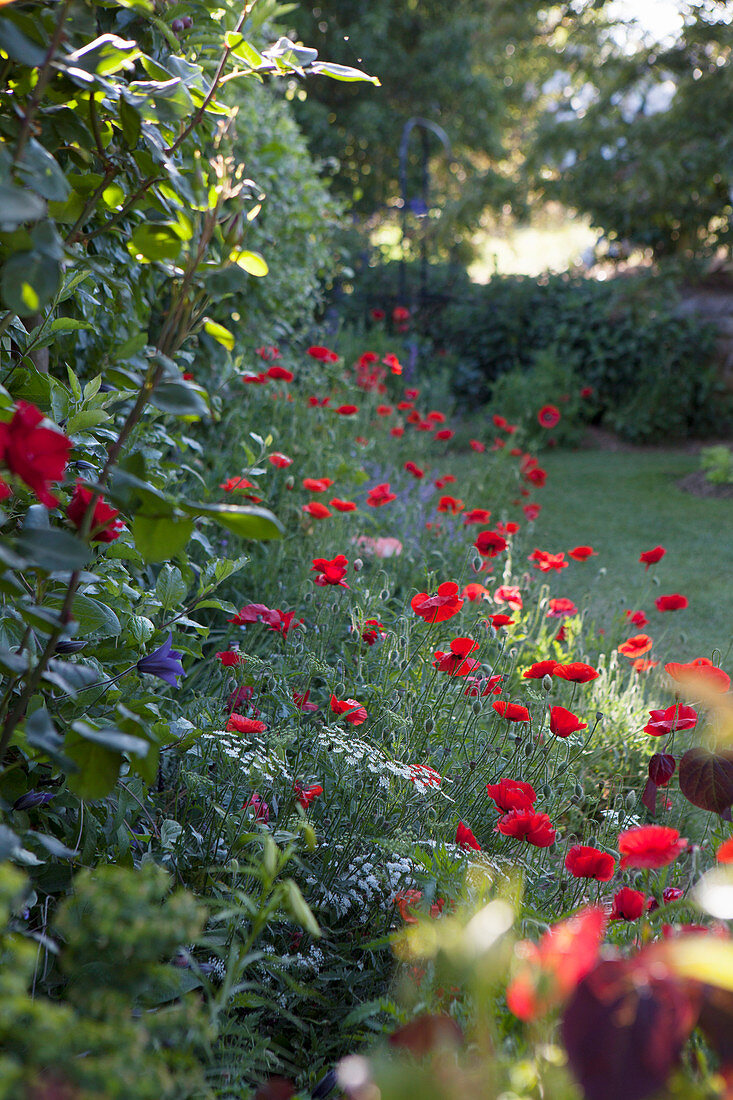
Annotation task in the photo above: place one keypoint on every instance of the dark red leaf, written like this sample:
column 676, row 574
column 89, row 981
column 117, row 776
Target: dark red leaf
column 649, row 797
column 662, row 767
column 706, row 779
column 275, row 1088
column 427, row 1032
column 624, row 1029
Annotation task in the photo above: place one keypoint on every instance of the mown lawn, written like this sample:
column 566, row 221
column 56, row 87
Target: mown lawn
column 625, row 502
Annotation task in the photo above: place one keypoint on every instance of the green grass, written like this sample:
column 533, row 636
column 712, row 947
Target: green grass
column 622, row 503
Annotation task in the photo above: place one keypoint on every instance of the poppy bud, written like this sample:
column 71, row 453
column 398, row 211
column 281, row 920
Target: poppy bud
column 547, row 683
column 631, row 800
column 528, row 748
column 662, row 767
column 340, row 689
column 289, row 482
column 358, row 565
column 476, row 708
column 579, row 792
column 429, row 725
column 546, row 790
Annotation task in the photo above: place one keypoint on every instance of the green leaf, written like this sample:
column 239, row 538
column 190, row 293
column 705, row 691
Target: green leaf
column 160, row 538
column 41, row 733
column 180, row 399
column 69, row 324
column 30, row 280
column 219, row 333
column 247, row 522
column 53, row 846
column 9, row 843
column 251, row 262
column 298, row 908
column 20, row 48
column 106, row 55
column 53, row 551
column 170, row 587
column 112, row 738
column 98, row 767
column 152, row 242
column 95, row 619
column 341, row 72
column 42, row 174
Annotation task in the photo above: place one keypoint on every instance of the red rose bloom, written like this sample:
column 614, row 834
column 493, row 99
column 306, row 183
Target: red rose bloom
column 651, row 557
column 280, row 460
column 436, row 609
column 628, row 904
column 582, row 861
column 511, row 794
column 577, row 672
column 331, row 572
column 239, row 724
column 36, row 455
column 105, row 526
column 636, row 646
column 527, row 825
column 662, row 722
column 317, row 510
column 343, row 505
column 548, row 416
column 379, row 495
column 674, row 602
column 317, row 484
column 457, row 663
column 563, row 722
column 650, row 846
column 414, row 470
column 465, row 838
column 582, row 553
column 490, row 543
column 352, row 710
column 512, row 712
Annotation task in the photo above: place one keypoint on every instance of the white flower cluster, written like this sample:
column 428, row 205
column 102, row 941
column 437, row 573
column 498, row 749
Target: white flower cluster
column 369, row 880
column 255, row 757
column 364, row 756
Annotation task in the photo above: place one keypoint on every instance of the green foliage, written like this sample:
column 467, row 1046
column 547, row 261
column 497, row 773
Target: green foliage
column 717, row 462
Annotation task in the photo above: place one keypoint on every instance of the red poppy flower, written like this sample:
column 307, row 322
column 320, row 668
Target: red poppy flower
column 499, row 421
column 377, row 314
column 301, row 702
column 268, row 353
column 347, row 410
column 445, row 433
column 548, row 416
column 724, row 853
column 512, row 712
column 384, row 410
column 239, row 724
column 36, row 455
column 324, row 355
column 582, row 553
column 560, row 607
column 478, row 686
column 423, row 775
column 373, row 630
column 280, row 374
column 531, row 511
column 583, row 861
column 477, row 515
column 436, row 609
column 507, row 529
column 509, row 594
column 536, row 475
column 254, row 379
column 283, row 622
column 353, row 711
column 446, row 479
column 450, row 504
column 527, row 825
column 674, row 602
column 539, row 670
column 511, row 794
column 700, row 672
column 662, row 722
column 393, row 363
column 318, row 402
column 331, row 572
column 456, row 662
column 343, row 505
column 436, row 417
column 650, row 846
column 628, row 904
column 397, row 431
column 317, row 484
column 547, row 562
column 636, row 646
column 379, row 495
column 500, row 620
column 414, row 470
column 406, row 901
column 643, row 665
column 577, row 672
column 105, row 526
column 280, row 460
column 550, row 970
column 229, row 658
column 563, row 722
column 638, row 618
column 475, row 592
column 317, row 510
column 465, row 838
column 306, row 795
column 490, row 543
column 477, row 445
column 238, row 485
column 651, row 557
column 586, row 391
column 400, row 314
column 260, row 807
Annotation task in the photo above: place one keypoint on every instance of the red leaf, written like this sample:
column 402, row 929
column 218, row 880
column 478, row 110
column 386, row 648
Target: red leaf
column 706, row 779
column 649, row 797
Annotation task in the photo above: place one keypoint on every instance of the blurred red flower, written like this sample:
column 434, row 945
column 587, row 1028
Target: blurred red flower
column 373, row 631
column 280, row 460
column 453, row 505
column 637, row 618
column 105, row 526
column 582, row 553
column 547, row 562
column 636, row 646
column 465, row 838
column 239, row 724
column 477, row 515
column 445, row 433
column 700, row 672
column 477, row 445
column 509, row 594
column 629, row 904
column 317, row 510
column 561, row 606
column 384, row 410
column 651, row 557
column 650, row 846
column 325, row 355
column 416, row 471
column 674, row 602
column 490, row 543
column 548, row 416
column 317, row 484
column 475, row 592
column 280, row 374
column 347, row 410
column 583, row 861
column 397, row 431
column 531, row 511
column 379, row 495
